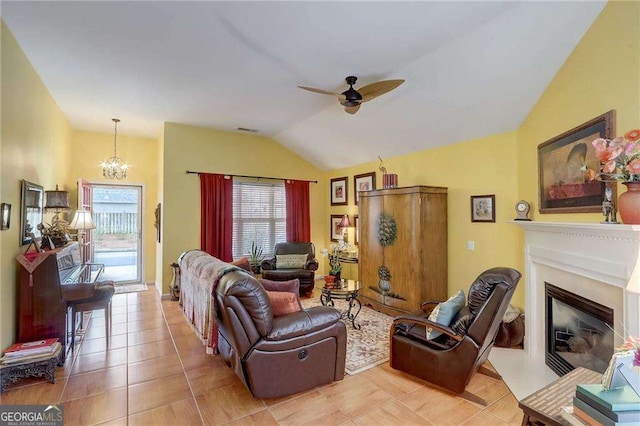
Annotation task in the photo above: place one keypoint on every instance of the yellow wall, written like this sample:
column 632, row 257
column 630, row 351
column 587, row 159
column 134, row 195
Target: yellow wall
column 200, row 149
column 89, row 149
column 477, row 167
column 160, row 183
column 602, row 73
column 35, row 146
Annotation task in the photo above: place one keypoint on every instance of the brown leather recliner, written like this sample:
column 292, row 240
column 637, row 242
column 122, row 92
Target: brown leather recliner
column 450, row 360
column 276, row 356
column 306, row 275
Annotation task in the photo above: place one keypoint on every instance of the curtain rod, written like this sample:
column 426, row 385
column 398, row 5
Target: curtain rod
column 189, row 172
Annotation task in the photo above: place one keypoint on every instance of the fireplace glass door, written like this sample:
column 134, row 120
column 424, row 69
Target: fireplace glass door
column 577, row 332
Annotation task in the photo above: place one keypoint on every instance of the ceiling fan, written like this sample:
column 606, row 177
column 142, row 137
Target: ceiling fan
column 351, row 99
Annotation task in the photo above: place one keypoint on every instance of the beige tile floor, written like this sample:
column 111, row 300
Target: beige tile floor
column 155, row 372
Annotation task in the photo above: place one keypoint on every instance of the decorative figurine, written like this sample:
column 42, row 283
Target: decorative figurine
column 608, row 207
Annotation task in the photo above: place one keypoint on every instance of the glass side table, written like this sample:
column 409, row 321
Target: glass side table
column 347, row 290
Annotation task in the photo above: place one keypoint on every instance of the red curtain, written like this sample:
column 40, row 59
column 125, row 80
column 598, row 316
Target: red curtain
column 298, row 219
column 216, row 215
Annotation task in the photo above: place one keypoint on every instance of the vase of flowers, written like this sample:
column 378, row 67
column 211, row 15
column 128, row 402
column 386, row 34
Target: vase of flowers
column 620, row 159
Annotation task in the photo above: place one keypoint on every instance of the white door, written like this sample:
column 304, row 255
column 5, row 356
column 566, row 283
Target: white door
column 117, row 239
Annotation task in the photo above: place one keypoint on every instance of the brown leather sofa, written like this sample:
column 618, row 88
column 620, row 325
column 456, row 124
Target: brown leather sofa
column 276, row 356
column 450, row 360
column 306, row 275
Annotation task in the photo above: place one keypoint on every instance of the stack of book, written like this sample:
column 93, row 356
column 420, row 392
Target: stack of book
column 594, row 406
column 31, row 351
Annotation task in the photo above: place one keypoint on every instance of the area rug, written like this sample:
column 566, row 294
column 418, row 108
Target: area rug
column 130, row 288
column 368, row 346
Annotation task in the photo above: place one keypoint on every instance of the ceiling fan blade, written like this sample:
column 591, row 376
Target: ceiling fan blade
column 352, row 110
column 372, row 91
column 340, row 96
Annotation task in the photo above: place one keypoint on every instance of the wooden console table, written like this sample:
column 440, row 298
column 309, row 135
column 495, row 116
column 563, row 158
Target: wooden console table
column 544, row 406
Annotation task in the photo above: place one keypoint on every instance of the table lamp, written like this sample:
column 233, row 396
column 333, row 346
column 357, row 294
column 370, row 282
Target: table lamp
column 81, row 222
column 343, row 225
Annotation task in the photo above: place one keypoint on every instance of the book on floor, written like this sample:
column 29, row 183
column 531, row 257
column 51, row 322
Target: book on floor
column 31, row 346
column 32, row 357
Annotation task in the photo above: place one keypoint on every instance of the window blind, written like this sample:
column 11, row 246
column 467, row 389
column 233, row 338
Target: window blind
column 259, row 214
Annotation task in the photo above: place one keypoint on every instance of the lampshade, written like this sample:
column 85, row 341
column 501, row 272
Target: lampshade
column 345, row 223
column 82, row 221
column 56, row 201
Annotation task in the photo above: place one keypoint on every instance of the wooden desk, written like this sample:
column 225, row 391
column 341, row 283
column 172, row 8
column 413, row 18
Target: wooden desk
column 543, row 407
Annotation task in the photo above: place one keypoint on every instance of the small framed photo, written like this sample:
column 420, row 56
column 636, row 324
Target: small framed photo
column 364, row 182
column 339, row 191
column 5, row 213
column 483, row 208
column 336, row 231
column 356, row 223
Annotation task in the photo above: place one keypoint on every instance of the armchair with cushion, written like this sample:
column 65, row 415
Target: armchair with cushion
column 291, row 261
column 461, row 347
column 273, row 355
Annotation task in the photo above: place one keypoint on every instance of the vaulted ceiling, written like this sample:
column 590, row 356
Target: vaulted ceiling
column 472, row 69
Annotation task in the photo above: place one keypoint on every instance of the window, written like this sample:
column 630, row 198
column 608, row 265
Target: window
column 259, row 214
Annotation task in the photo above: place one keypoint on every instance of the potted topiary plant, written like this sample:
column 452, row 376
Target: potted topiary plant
column 336, row 270
column 255, row 257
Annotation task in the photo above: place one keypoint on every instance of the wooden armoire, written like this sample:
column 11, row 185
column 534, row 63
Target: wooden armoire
column 403, row 234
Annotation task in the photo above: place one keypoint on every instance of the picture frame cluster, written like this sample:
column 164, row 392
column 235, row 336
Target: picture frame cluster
column 339, row 196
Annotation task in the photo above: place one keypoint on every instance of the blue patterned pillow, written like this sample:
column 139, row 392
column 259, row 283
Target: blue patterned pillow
column 444, row 313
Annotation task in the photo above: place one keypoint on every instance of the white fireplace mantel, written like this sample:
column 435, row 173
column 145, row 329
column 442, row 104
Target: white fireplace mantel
column 598, row 261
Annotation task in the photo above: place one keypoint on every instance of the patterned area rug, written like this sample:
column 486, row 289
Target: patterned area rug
column 131, row 288
column 368, row 346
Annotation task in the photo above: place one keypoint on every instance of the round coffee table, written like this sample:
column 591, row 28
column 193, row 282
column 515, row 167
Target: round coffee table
column 349, row 290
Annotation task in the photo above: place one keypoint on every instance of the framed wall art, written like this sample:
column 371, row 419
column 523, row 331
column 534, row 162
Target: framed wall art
column 364, row 182
column 157, row 223
column 336, row 230
column 483, row 208
column 338, row 189
column 5, row 214
column 567, row 166
column 356, row 223
column 32, row 212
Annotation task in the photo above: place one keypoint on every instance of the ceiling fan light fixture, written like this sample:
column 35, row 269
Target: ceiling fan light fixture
column 351, row 99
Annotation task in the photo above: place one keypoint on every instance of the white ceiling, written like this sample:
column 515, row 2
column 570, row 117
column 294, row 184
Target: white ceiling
column 472, row 69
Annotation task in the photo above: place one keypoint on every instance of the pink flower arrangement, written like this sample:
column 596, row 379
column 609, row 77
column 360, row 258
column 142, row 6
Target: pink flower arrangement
column 620, row 157
column 632, row 343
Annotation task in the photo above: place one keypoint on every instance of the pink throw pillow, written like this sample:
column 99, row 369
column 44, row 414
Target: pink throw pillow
column 283, row 303
column 292, row 286
column 242, row 263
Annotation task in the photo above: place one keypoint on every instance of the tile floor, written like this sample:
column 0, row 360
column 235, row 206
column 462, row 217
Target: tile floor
column 155, row 372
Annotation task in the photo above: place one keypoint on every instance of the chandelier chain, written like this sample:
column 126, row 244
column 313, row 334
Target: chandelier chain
column 114, row 167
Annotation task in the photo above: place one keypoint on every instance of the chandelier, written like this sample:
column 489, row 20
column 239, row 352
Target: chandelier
column 114, row 167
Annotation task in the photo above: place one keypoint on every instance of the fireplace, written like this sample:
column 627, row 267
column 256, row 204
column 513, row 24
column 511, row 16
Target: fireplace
column 577, row 330
column 600, row 262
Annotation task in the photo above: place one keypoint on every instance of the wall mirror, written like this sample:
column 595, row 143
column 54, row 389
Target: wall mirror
column 32, row 211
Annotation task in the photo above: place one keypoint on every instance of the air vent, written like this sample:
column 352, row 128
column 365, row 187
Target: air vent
column 244, row 129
